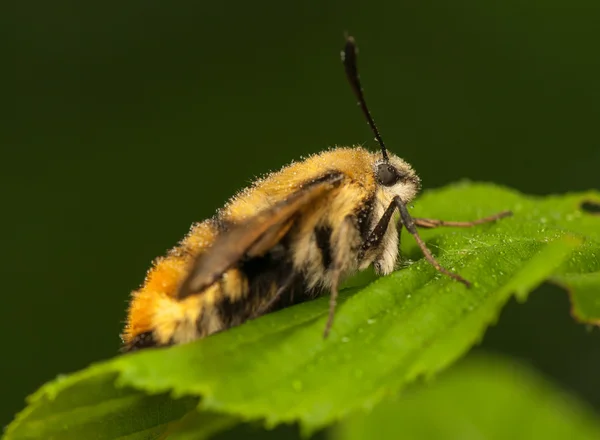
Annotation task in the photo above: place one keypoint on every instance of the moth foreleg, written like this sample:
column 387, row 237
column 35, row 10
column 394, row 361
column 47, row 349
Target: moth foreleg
column 376, row 236
column 433, row 223
column 408, row 221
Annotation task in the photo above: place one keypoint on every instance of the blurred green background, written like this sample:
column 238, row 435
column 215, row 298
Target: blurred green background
column 124, row 123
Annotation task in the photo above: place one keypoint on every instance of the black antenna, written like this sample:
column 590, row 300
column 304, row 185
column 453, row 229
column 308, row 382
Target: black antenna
column 349, row 60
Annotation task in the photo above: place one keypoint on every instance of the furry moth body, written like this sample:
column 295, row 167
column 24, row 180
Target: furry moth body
column 291, row 236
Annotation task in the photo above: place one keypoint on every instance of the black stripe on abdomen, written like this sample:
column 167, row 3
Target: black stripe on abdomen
column 323, row 240
column 364, row 216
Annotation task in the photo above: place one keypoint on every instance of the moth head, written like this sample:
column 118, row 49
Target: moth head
column 395, row 177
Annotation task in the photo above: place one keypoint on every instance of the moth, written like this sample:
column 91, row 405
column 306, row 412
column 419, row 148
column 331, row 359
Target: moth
column 289, row 237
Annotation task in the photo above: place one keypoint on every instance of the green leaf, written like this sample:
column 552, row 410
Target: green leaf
column 412, row 323
column 487, row 398
column 87, row 405
column 200, row 425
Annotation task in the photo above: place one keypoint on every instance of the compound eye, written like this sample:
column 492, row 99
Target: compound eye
column 387, row 175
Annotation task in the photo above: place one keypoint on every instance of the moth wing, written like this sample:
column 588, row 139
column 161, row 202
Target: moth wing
column 254, row 236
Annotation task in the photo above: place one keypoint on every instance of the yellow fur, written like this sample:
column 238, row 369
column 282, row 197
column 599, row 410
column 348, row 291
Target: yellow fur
column 353, row 162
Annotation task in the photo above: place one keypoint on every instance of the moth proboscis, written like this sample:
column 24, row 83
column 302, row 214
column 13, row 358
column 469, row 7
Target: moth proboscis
column 287, row 238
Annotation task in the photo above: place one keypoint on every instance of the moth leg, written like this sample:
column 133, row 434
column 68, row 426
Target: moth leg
column 376, row 235
column 340, row 258
column 399, row 229
column 433, row 223
column 408, row 221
